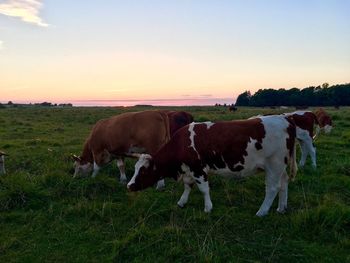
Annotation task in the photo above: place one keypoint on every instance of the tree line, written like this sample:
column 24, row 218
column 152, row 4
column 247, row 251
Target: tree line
column 324, row 95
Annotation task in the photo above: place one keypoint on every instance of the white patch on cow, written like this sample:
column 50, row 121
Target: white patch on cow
column 186, row 169
column 209, row 124
column 82, row 169
column 206, row 169
column 327, row 129
column 160, row 185
column 192, row 134
column 143, row 161
column 96, row 170
column 275, row 150
column 306, row 146
column 203, row 186
column 184, row 197
column 121, row 166
column 296, row 113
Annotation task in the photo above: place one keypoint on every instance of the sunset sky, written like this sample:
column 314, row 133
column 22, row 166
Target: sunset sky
column 168, row 52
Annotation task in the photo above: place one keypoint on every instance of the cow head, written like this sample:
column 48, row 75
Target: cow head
column 327, row 124
column 81, row 167
column 144, row 175
column 324, row 120
column 2, row 162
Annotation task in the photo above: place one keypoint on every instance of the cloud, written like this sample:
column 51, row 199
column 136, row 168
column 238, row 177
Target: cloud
column 26, row 10
column 1, row 45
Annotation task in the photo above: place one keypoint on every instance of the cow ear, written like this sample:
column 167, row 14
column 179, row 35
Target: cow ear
column 75, row 158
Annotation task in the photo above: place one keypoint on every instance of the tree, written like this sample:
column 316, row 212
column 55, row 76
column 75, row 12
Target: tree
column 243, row 99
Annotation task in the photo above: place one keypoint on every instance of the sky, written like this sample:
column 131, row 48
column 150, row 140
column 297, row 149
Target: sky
column 174, row 52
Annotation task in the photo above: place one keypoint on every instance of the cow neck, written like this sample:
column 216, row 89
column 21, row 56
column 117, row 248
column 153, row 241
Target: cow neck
column 165, row 161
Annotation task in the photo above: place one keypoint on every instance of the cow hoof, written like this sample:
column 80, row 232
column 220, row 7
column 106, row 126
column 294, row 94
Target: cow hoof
column 181, row 205
column 281, row 211
column 261, row 213
column 160, row 185
column 123, row 181
column 207, row 209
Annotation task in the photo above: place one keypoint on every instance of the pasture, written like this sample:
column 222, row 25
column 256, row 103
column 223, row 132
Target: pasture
column 48, row 216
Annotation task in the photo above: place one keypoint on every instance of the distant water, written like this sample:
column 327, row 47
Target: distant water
column 186, row 101
column 156, row 102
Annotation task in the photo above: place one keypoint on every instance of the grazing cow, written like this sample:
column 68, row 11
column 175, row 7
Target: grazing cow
column 2, row 162
column 305, row 121
column 324, row 121
column 230, row 148
column 122, row 135
column 232, row 108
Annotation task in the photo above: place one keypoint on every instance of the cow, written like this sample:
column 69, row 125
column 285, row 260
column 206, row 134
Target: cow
column 122, row 135
column 305, row 122
column 324, row 121
column 2, row 162
column 230, row 148
column 232, row 108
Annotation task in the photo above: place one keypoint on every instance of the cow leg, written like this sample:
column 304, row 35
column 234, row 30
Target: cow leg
column 160, row 184
column 121, row 166
column 283, row 194
column 188, row 184
column 96, row 170
column 203, row 186
column 304, row 153
column 272, row 187
column 312, row 151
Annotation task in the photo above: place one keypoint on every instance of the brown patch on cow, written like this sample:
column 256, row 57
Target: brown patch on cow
column 218, row 152
column 305, row 121
column 258, row 146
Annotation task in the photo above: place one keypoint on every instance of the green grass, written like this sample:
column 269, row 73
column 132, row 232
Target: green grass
column 47, row 216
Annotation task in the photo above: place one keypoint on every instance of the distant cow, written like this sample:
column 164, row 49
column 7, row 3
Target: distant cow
column 2, row 162
column 122, row 135
column 231, row 148
column 232, row 108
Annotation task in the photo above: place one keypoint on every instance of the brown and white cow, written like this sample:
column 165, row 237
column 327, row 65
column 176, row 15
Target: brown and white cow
column 125, row 134
column 2, row 162
column 231, row 148
column 305, row 122
column 324, row 121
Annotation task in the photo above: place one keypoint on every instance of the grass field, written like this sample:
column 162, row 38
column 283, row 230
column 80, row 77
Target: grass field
column 47, row 216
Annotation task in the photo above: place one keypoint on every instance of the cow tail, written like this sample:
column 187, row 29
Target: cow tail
column 293, row 167
column 318, row 128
